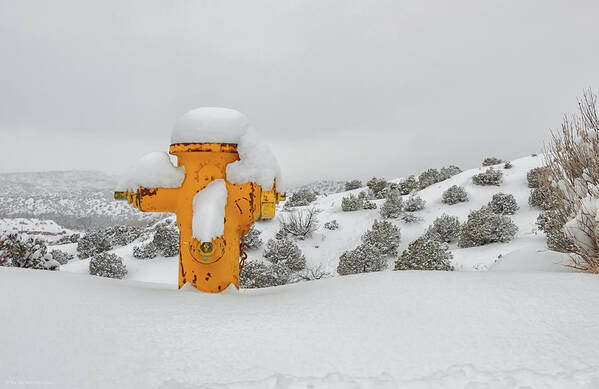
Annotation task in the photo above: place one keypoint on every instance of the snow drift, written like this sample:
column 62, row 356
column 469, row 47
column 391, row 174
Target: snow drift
column 209, row 211
column 153, row 170
column 406, row 329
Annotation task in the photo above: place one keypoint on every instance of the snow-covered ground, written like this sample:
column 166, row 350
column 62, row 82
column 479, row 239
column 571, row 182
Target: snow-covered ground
column 511, row 316
column 378, row 330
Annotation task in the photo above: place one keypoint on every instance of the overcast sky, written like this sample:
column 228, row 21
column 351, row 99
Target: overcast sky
column 340, row 89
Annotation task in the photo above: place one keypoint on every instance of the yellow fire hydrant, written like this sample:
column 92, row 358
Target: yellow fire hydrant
column 209, row 265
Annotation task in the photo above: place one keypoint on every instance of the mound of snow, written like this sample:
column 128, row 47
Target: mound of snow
column 537, row 330
column 209, row 211
column 210, row 125
column 153, row 170
column 532, row 258
column 256, row 164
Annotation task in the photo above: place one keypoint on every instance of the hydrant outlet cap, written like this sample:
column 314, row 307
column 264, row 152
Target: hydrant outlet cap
column 210, row 125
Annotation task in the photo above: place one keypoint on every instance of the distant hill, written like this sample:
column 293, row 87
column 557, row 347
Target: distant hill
column 78, row 200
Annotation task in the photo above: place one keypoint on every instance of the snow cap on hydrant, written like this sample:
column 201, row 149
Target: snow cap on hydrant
column 225, row 179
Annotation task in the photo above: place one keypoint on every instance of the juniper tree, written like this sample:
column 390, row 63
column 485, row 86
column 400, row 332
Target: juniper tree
column 145, row 251
column 61, row 257
column 428, row 178
column 539, row 198
column 532, row 177
column 445, row 229
column 489, row 161
column 252, row 238
column 353, row 184
column 503, row 204
column 423, row 254
column 377, row 186
column 549, row 222
column 393, row 205
column 363, row 259
column 107, row 265
column 454, row 194
column 301, row 198
column 93, row 243
column 384, row 236
column 351, row 203
column 166, row 240
column 488, row 177
column 414, row 203
column 483, row 227
column 448, row 172
column 285, row 252
column 407, row 186
column 261, row 275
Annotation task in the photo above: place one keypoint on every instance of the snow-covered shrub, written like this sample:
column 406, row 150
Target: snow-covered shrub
column 285, row 252
column 414, row 203
column 166, row 240
column 448, row 172
column 252, row 238
column 145, row 251
column 377, row 186
column 393, row 205
column 445, row 229
column 261, row 275
column 107, row 265
column 301, row 198
column 489, row 177
column 428, row 178
column 408, row 217
column 61, row 257
column 483, row 227
column 503, row 204
column 331, row 225
column 571, row 182
column 369, row 204
column 300, row 224
column 423, row 254
column 533, row 175
column 490, row 161
column 353, row 184
column 454, row 194
column 508, row 165
column 123, row 235
column 384, row 236
column 93, row 243
column 352, row 203
column 539, row 198
column 20, row 251
column 363, row 259
column 73, row 238
column 407, row 186
column 549, row 222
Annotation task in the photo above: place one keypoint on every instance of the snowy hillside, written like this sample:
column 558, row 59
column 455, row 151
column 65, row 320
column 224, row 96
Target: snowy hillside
column 434, row 330
column 35, row 228
column 324, row 247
